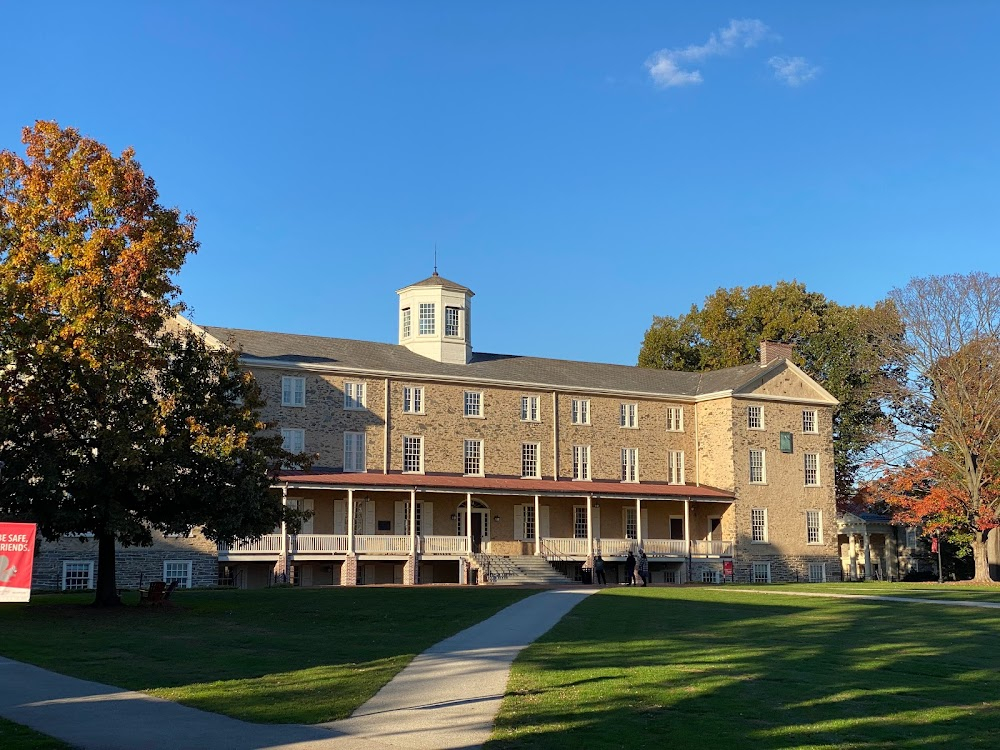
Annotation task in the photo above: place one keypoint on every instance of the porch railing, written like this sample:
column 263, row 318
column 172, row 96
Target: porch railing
column 617, row 547
column 334, row 543
column 444, row 545
column 382, row 544
column 267, row 544
column 712, row 548
column 556, row 546
column 665, row 547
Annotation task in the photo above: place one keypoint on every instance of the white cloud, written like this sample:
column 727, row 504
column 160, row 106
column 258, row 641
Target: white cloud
column 793, row 71
column 665, row 66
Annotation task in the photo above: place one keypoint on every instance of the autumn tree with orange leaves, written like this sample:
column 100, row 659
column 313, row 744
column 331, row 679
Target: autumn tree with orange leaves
column 113, row 422
column 949, row 407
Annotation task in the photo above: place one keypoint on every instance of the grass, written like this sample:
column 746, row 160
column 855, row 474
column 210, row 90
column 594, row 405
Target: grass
column 15, row 735
column 957, row 591
column 713, row 667
column 278, row 655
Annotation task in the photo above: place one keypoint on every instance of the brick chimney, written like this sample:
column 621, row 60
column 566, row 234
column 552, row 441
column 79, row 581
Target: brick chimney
column 772, row 350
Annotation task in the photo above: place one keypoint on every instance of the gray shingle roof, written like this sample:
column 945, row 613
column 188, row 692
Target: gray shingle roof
column 435, row 280
column 370, row 356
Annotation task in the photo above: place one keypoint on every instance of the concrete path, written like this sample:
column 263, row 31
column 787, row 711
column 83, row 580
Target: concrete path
column 447, row 698
column 878, row 598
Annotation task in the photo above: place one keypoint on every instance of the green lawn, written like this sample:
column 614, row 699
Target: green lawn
column 274, row 655
column 966, row 592
column 16, row 736
column 713, row 667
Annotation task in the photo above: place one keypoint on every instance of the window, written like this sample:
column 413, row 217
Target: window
column 710, row 576
column 758, row 473
column 473, row 404
column 426, row 319
column 814, row 528
column 354, row 451
column 630, row 464
column 413, row 400
column 177, row 570
column 407, row 330
column 911, row 537
column 762, row 572
column 629, row 415
column 755, row 417
column 529, row 461
column 77, row 575
column 528, row 521
column 817, row 572
column 631, row 525
column 809, row 421
column 675, row 467
column 406, row 518
column 354, row 395
column 579, row 522
column 293, row 440
column 581, row 411
column 474, row 458
column 529, row 409
column 451, row 321
column 675, row 419
column 676, row 527
column 758, row 524
column 812, row 469
column 581, row 462
column 413, row 454
column 293, row 391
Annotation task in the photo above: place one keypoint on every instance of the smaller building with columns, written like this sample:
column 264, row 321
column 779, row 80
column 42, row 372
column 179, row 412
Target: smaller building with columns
column 873, row 548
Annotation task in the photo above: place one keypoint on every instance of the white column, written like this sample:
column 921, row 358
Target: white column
column 350, row 522
column 468, row 521
column 868, row 556
column 687, row 521
column 852, row 557
column 638, row 521
column 590, row 524
column 413, row 522
column 284, row 526
column 538, row 527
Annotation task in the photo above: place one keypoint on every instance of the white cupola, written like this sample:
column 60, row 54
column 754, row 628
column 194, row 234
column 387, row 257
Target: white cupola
column 435, row 317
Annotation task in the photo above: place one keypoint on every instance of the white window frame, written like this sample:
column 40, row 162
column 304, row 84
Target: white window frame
column 355, row 459
column 407, row 323
column 581, row 463
column 760, row 572
column 709, row 575
column 472, row 454
column 911, row 537
column 758, row 525
column 531, row 409
column 579, row 521
column 630, row 465
column 79, row 566
column 426, row 318
column 418, row 441
column 815, row 568
column 755, row 417
column 527, row 460
column 354, row 395
column 629, row 416
column 630, row 522
column 448, row 310
column 580, row 413
column 472, row 404
column 675, row 467
column 814, row 526
column 184, row 582
column 675, row 419
column 762, row 467
column 293, row 391
column 810, row 421
column 293, row 439
column 811, row 473
column 413, row 399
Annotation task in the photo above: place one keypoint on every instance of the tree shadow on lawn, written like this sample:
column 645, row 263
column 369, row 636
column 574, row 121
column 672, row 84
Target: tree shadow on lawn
column 703, row 668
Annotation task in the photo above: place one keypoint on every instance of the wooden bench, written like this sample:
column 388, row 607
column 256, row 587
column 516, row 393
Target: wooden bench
column 157, row 593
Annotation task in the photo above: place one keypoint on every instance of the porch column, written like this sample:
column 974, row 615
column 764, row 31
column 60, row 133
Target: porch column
column 413, row 521
column 468, row 521
column 281, row 566
column 590, row 525
column 638, row 521
column 868, row 556
column 350, row 522
column 852, row 557
column 687, row 536
column 538, row 530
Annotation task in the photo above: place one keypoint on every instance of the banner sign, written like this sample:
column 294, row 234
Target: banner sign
column 727, row 567
column 17, row 552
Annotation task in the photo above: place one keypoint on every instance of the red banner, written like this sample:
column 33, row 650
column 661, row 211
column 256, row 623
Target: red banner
column 727, row 567
column 17, row 552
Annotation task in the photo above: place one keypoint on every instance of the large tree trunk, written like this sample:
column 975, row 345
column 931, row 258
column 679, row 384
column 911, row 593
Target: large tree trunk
column 107, row 588
column 979, row 551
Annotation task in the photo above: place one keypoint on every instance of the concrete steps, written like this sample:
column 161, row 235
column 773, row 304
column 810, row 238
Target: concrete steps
column 520, row 570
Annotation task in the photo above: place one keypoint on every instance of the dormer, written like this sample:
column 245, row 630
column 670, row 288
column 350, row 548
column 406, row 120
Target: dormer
column 435, row 320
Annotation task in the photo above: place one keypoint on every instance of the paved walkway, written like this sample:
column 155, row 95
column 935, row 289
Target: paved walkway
column 446, row 698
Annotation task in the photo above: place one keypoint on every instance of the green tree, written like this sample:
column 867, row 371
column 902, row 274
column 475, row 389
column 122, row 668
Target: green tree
column 841, row 347
column 114, row 420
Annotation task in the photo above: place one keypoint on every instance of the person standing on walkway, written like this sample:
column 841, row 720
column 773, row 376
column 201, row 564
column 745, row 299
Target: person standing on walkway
column 599, row 570
column 643, row 567
column 587, row 574
column 629, row 568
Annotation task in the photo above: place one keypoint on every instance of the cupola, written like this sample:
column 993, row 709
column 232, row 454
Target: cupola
column 435, row 318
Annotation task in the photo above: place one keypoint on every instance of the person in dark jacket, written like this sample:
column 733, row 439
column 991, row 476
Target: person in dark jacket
column 599, row 570
column 629, row 568
column 643, row 567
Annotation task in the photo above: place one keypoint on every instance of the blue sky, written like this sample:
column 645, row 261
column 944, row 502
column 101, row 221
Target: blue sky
column 582, row 166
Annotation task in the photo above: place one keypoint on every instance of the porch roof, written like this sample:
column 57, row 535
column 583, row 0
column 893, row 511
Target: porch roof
column 500, row 485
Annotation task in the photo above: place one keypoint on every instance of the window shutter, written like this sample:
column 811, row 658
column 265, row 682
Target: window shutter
column 399, row 526
column 427, row 519
column 340, row 516
column 519, row 523
column 595, row 521
column 645, row 524
column 369, row 516
column 543, row 525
